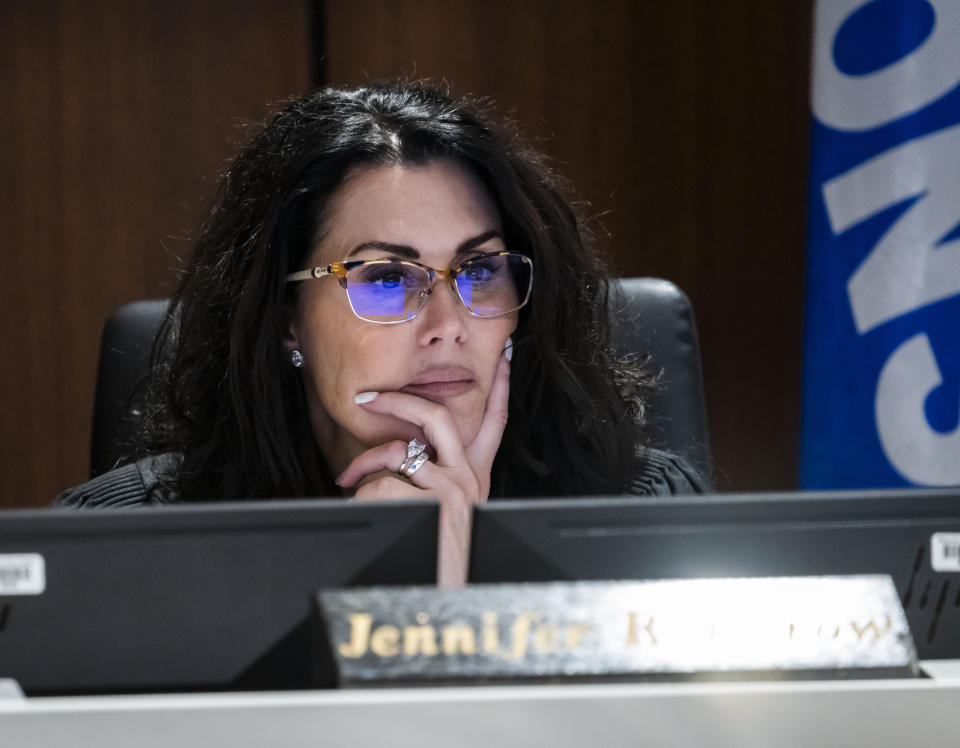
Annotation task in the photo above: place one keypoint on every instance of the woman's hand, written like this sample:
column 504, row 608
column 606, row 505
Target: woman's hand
column 459, row 476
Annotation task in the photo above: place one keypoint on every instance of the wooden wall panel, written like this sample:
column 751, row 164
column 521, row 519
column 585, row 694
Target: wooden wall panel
column 685, row 125
column 117, row 119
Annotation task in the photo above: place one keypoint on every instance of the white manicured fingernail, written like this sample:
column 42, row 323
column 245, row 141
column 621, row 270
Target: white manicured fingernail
column 365, row 397
column 508, row 350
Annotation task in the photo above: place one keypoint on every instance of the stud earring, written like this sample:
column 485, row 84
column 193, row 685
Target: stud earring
column 296, row 358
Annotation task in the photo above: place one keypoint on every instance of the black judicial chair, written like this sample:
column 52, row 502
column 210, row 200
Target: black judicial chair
column 125, row 347
column 651, row 318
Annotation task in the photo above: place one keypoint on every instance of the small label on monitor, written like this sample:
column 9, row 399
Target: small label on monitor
column 945, row 551
column 22, row 574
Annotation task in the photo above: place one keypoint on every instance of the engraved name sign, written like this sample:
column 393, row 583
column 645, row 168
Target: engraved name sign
column 830, row 626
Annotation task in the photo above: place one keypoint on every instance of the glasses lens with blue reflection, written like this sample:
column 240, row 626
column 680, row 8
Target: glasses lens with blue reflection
column 390, row 291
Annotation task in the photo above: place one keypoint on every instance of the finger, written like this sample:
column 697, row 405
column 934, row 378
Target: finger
column 383, row 457
column 428, row 477
column 448, row 485
column 375, row 476
column 375, row 464
column 485, row 444
column 388, row 488
column 435, row 420
column 429, row 481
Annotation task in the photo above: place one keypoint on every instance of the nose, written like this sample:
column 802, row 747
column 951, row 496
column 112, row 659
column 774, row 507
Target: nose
column 443, row 316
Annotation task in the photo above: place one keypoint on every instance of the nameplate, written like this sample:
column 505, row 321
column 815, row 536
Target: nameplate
column 791, row 627
column 10, row 689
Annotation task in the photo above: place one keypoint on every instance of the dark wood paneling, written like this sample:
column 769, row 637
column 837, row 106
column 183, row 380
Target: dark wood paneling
column 117, row 119
column 685, row 124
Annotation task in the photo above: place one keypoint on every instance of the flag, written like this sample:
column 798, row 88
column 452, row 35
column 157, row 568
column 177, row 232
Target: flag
column 881, row 381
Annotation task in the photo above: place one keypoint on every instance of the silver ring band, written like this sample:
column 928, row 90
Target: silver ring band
column 409, row 470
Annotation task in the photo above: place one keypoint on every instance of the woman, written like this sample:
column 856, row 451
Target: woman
column 385, row 274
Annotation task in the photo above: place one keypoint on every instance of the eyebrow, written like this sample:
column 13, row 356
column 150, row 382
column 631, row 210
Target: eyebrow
column 409, row 252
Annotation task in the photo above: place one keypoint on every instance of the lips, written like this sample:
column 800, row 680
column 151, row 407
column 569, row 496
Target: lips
column 440, row 382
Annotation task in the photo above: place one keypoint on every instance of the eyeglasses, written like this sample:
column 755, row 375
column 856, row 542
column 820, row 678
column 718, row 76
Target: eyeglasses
column 392, row 291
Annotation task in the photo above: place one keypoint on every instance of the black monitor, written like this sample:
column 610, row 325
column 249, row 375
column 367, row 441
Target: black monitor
column 785, row 534
column 191, row 597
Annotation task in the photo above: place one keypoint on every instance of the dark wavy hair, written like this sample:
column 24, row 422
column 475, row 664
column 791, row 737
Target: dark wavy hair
column 222, row 392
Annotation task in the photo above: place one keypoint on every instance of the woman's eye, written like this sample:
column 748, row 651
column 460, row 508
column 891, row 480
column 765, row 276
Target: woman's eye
column 387, row 276
column 480, row 271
